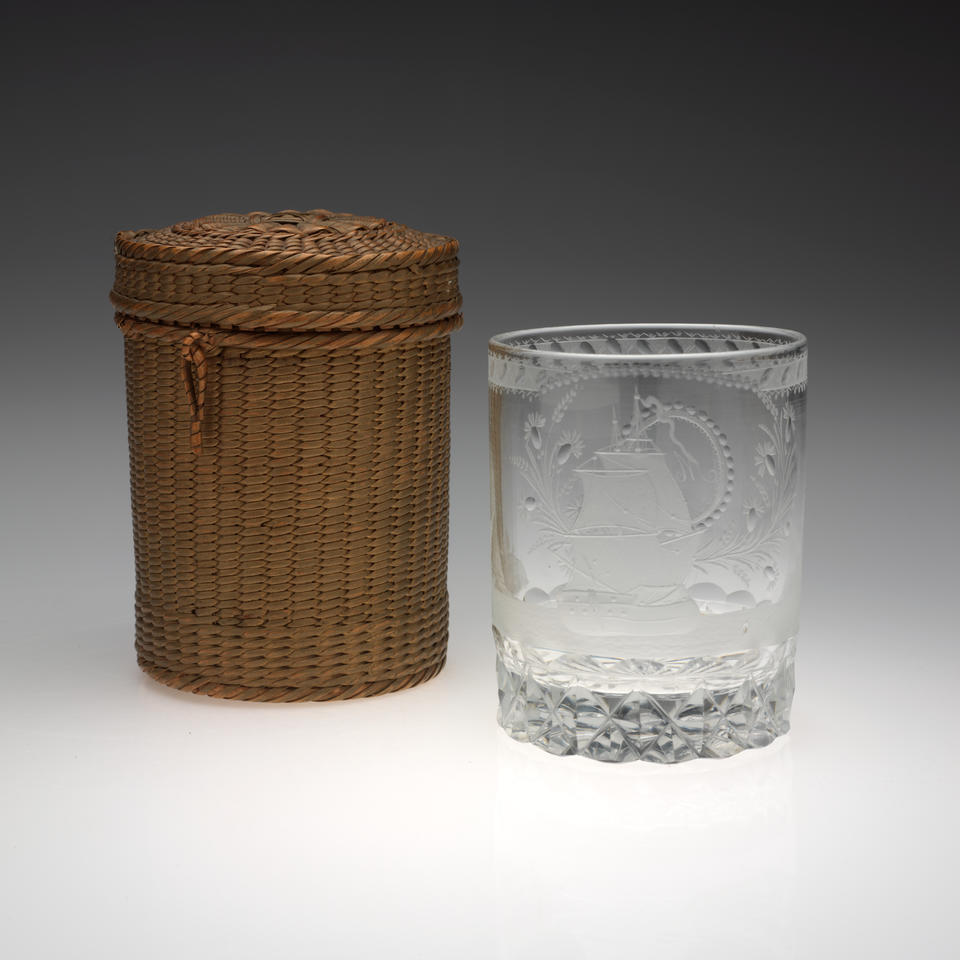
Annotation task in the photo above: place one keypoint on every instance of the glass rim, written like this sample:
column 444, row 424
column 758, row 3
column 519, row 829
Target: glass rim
column 792, row 341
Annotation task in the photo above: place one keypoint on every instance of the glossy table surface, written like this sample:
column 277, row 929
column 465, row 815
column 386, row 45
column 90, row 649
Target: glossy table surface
column 138, row 821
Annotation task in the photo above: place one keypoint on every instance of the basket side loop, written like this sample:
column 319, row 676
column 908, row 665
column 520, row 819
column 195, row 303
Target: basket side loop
column 193, row 359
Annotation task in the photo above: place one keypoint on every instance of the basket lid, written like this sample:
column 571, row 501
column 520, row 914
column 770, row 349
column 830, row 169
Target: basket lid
column 292, row 270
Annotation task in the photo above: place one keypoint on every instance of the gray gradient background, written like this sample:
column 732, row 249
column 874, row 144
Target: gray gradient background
column 753, row 165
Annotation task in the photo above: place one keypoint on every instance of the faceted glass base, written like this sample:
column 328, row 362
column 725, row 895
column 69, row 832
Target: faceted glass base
column 718, row 721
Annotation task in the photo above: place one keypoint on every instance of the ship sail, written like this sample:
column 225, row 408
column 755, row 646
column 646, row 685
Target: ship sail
column 633, row 535
column 632, row 500
column 625, row 501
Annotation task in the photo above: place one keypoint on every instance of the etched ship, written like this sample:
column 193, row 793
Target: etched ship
column 633, row 541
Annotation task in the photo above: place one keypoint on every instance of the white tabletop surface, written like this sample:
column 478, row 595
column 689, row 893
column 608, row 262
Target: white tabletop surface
column 143, row 822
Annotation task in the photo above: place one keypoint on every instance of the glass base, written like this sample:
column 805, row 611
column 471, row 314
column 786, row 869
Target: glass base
column 717, row 719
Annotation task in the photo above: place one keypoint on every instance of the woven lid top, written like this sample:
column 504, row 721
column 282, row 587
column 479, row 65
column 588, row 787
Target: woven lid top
column 291, row 270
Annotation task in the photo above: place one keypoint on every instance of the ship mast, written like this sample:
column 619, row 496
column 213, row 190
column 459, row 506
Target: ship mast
column 635, row 419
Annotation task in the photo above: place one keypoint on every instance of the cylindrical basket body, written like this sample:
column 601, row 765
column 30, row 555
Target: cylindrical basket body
column 647, row 490
column 288, row 414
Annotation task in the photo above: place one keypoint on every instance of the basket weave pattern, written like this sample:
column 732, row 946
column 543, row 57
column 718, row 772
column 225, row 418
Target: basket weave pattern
column 288, row 414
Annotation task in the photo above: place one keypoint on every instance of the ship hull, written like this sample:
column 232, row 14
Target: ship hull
column 641, row 566
column 592, row 618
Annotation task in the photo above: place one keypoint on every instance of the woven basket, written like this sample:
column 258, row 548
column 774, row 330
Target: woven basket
column 288, row 382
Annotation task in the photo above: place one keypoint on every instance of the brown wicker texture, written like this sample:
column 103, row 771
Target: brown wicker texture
column 288, row 382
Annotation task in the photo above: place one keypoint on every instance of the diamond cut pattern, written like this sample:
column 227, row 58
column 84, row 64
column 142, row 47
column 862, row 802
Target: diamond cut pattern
column 666, row 728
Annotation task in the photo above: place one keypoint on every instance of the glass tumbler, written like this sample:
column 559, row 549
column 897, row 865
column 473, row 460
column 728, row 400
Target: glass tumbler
column 647, row 503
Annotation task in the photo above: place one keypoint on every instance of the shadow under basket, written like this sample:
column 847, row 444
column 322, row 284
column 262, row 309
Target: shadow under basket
column 288, row 381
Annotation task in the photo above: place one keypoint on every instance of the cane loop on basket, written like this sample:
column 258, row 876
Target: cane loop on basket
column 194, row 373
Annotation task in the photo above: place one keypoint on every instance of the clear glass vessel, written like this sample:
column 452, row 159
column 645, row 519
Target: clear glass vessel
column 647, row 500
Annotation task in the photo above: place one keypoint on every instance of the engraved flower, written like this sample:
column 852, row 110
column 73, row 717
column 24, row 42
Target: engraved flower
column 755, row 510
column 789, row 423
column 571, row 445
column 765, row 456
column 531, row 429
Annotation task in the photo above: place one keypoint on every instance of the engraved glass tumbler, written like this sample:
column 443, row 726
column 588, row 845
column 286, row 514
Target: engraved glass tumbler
column 647, row 500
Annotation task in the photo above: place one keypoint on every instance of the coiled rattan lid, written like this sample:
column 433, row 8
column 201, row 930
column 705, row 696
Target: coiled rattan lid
column 302, row 271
